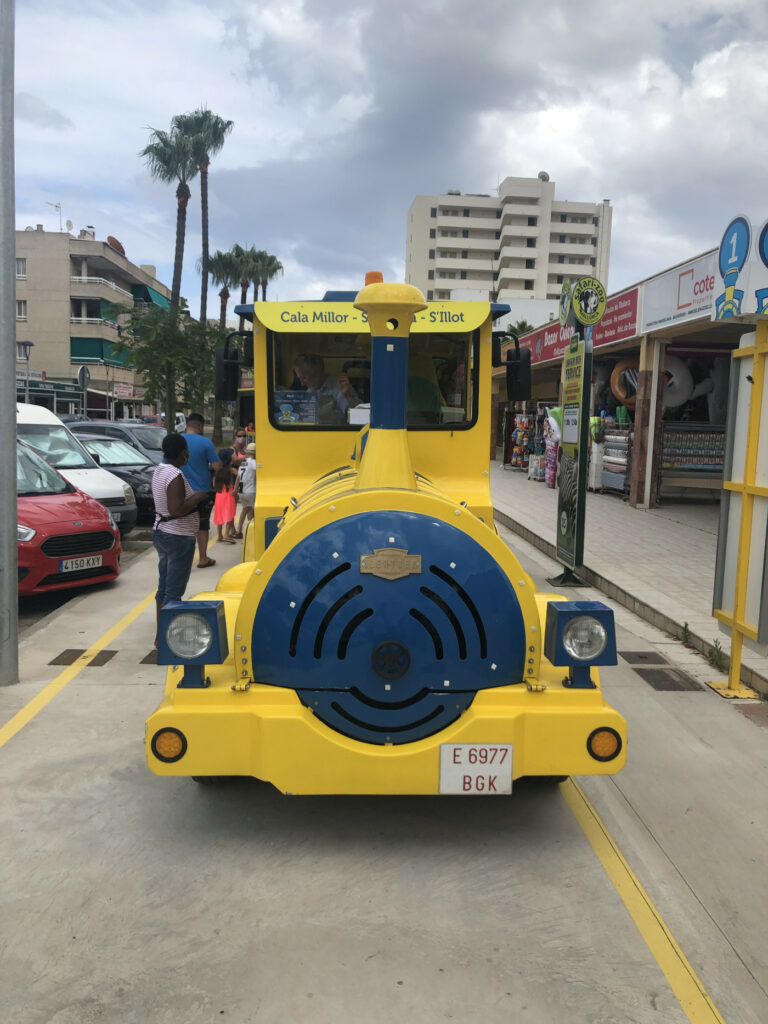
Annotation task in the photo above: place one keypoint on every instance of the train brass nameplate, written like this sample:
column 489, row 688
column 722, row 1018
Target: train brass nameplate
column 390, row 563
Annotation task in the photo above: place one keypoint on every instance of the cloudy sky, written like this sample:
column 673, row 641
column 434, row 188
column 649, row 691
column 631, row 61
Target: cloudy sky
column 344, row 110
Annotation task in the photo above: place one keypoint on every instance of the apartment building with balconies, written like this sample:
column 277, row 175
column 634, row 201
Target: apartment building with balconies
column 67, row 292
column 518, row 245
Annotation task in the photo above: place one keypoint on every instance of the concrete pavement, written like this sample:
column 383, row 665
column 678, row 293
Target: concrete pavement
column 658, row 563
column 131, row 898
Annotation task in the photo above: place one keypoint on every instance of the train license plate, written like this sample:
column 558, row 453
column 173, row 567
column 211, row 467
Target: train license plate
column 478, row 769
column 78, row 564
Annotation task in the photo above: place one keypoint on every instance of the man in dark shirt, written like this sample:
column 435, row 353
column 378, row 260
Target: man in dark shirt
column 203, row 461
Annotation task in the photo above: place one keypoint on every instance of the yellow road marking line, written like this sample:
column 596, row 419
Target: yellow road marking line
column 688, row 990
column 46, row 695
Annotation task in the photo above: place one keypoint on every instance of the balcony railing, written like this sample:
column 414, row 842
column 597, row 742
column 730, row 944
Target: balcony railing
column 94, row 320
column 103, row 281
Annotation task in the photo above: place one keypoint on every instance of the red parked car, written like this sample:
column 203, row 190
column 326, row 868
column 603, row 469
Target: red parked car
column 65, row 538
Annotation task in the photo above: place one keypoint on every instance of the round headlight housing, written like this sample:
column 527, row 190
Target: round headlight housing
column 585, row 638
column 189, row 636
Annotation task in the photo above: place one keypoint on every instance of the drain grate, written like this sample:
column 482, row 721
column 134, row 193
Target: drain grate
column 101, row 659
column 70, row 656
column 668, row 679
column 757, row 713
column 644, row 657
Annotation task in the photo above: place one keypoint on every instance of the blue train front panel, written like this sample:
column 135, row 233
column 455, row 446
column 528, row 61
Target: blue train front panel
column 382, row 659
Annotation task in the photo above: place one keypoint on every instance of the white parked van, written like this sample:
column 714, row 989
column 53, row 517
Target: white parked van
column 45, row 432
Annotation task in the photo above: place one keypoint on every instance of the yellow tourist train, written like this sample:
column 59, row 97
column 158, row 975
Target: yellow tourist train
column 379, row 636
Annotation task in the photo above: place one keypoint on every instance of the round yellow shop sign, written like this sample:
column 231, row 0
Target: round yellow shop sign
column 589, row 301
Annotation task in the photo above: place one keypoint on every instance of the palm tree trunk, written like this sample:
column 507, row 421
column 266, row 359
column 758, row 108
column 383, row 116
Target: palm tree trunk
column 204, row 256
column 218, row 406
column 170, row 399
column 224, row 296
column 182, row 198
column 243, row 296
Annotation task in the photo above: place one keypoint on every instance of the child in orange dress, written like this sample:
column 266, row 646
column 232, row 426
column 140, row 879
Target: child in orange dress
column 224, row 507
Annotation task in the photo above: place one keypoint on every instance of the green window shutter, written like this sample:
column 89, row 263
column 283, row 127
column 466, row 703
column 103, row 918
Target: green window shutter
column 85, row 350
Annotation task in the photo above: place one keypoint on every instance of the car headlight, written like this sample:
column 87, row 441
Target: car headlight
column 24, row 532
column 128, row 493
column 585, row 638
column 111, row 519
column 189, row 635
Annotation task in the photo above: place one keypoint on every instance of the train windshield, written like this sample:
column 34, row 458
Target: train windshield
column 324, row 379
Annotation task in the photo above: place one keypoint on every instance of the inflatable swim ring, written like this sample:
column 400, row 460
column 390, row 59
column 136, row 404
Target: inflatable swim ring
column 624, row 381
column 679, row 383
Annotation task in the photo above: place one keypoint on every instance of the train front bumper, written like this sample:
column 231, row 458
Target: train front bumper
column 267, row 733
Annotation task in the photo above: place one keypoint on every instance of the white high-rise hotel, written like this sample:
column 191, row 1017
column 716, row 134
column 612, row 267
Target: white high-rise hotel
column 519, row 245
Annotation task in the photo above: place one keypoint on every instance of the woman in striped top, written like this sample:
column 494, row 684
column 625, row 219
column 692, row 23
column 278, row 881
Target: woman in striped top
column 176, row 522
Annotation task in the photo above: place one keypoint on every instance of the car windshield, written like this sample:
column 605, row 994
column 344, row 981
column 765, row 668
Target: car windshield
column 35, row 477
column 55, row 443
column 149, row 437
column 308, row 371
column 115, row 453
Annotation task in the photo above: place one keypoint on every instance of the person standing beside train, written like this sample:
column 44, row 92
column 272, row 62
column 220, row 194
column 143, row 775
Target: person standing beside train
column 176, row 522
column 203, row 461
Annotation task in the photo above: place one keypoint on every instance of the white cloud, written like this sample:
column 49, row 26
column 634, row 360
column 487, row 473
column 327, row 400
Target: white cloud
column 345, row 110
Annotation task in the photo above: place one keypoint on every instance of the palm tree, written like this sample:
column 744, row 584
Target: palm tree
column 224, row 271
column 521, row 327
column 170, row 157
column 207, row 133
column 269, row 267
column 248, row 263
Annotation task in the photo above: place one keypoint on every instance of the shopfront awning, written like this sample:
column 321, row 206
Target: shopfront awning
column 96, row 350
column 143, row 293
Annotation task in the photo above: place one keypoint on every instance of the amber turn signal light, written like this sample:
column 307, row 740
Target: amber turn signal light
column 169, row 745
column 604, row 744
column 374, row 277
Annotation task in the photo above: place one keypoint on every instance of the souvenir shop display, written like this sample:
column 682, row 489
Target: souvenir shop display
column 616, row 457
column 518, row 439
column 692, row 455
column 537, row 460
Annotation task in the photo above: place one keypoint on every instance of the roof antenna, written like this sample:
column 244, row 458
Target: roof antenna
column 56, row 206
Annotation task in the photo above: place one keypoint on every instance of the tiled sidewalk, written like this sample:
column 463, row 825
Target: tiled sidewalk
column 659, row 563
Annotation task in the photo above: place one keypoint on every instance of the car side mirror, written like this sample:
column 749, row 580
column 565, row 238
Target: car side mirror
column 96, row 458
column 518, row 373
column 227, row 375
column 496, row 337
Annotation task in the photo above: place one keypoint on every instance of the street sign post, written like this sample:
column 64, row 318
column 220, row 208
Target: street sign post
column 584, row 304
column 84, row 379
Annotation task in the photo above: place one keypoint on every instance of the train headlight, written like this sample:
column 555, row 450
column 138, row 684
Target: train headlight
column 189, row 636
column 193, row 633
column 585, row 638
column 580, row 633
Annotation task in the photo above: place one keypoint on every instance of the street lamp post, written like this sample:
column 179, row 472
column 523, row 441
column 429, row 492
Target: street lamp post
column 109, row 397
column 23, row 349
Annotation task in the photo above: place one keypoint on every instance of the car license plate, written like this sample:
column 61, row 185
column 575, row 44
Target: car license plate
column 479, row 769
column 116, row 516
column 76, row 564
